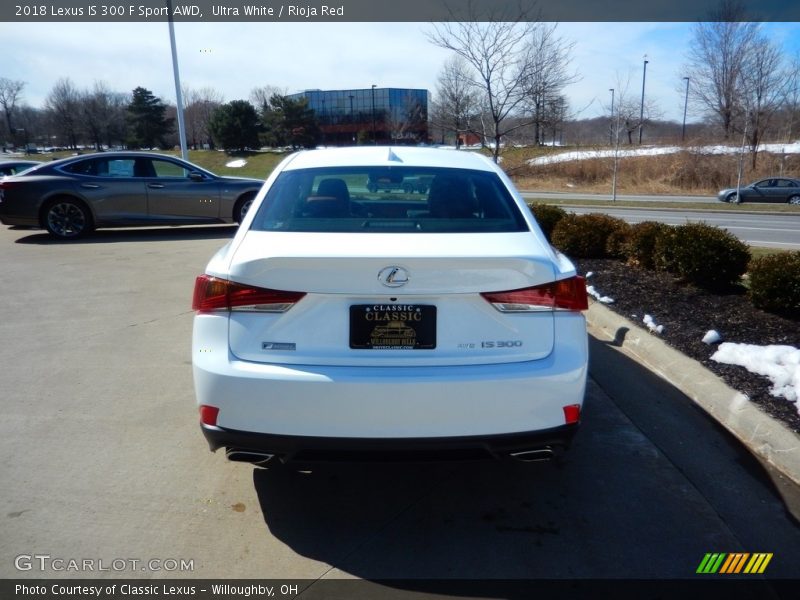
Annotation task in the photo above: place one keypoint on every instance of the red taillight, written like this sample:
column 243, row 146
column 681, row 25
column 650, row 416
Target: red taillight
column 209, row 414
column 572, row 413
column 213, row 293
column 566, row 294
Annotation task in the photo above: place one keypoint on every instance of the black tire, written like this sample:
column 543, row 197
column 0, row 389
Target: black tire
column 67, row 219
column 733, row 198
column 794, row 199
column 242, row 206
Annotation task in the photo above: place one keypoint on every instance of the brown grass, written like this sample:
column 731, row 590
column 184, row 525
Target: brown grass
column 681, row 173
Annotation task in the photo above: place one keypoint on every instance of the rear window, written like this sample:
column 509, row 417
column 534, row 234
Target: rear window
column 397, row 199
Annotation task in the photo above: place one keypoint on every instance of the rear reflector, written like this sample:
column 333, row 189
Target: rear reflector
column 566, row 294
column 213, row 293
column 572, row 413
column 209, row 414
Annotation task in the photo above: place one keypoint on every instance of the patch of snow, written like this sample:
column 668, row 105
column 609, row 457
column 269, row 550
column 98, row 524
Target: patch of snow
column 598, row 296
column 780, row 364
column 589, row 274
column 236, row 164
column 712, row 337
column 793, row 148
column 651, row 325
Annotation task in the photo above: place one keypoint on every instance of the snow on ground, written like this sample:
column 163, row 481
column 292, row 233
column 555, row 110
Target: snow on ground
column 781, row 364
column 652, row 325
column 793, row 148
column 235, row 164
column 712, row 336
column 597, row 295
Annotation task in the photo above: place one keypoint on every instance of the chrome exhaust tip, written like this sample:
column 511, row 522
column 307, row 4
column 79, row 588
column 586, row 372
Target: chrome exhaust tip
column 540, row 454
column 248, row 456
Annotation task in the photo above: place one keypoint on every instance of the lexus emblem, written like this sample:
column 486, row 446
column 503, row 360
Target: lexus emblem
column 393, row 276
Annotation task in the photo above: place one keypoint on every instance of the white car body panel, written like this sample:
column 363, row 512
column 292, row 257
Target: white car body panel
column 294, row 374
column 388, row 402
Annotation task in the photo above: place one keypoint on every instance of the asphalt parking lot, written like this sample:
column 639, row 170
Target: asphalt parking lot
column 102, row 457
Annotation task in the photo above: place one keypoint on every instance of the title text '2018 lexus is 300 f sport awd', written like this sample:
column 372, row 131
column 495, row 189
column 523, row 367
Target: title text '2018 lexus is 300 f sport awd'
column 346, row 324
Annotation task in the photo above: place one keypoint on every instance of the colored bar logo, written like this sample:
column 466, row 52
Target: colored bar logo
column 734, row 563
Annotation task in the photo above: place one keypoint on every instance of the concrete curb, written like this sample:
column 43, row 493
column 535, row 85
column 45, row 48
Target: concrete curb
column 767, row 438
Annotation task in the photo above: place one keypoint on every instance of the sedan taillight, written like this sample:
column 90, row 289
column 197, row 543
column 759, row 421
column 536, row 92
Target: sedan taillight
column 213, row 293
column 566, row 294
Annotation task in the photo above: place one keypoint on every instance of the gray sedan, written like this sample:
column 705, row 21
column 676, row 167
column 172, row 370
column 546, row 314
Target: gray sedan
column 772, row 189
column 73, row 196
column 15, row 166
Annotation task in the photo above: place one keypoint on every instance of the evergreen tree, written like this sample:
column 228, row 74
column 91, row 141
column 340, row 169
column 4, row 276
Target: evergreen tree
column 289, row 122
column 148, row 126
column 235, row 125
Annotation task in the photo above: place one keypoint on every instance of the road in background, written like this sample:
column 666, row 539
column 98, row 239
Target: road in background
column 534, row 195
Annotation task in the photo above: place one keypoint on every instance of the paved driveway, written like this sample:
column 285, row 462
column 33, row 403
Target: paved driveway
column 102, row 458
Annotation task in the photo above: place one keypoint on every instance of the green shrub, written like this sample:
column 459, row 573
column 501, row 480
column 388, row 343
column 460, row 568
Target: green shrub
column 775, row 282
column 585, row 236
column 640, row 245
column 617, row 241
column 547, row 216
column 701, row 254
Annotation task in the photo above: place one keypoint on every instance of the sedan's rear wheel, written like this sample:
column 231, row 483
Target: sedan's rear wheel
column 67, row 219
column 733, row 198
column 242, row 206
column 794, row 199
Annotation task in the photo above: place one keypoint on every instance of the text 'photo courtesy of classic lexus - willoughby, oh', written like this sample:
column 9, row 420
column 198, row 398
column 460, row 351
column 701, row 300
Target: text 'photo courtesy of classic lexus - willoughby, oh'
column 353, row 317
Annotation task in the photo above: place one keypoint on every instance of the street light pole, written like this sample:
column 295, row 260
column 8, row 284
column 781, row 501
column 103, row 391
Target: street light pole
column 178, row 95
column 374, row 139
column 641, row 108
column 611, row 129
column 685, row 104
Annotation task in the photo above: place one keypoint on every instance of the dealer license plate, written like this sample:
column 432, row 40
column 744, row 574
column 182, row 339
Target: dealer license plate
column 393, row 327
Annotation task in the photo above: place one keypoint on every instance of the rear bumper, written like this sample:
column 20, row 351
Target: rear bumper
column 322, row 449
column 376, row 406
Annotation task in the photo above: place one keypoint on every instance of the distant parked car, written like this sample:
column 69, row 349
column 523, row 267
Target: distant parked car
column 73, row 196
column 772, row 189
column 12, row 167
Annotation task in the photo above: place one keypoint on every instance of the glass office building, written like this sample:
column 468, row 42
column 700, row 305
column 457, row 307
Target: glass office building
column 382, row 115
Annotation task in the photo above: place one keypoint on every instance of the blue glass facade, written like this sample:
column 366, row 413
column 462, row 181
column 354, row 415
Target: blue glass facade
column 385, row 115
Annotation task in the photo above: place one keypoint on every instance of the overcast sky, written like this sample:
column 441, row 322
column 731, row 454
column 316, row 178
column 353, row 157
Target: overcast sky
column 233, row 58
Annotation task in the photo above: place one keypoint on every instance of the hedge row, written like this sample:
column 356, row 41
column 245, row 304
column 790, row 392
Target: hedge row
column 706, row 256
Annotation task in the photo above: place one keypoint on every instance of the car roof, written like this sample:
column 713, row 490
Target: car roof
column 19, row 161
column 390, row 156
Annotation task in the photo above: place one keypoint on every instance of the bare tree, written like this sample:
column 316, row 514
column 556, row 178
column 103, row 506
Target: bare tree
column 200, row 105
column 456, row 102
column 63, row 103
column 495, row 45
column 10, row 94
column 765, row 86
column 718, row 53
column 628, row 108
column 33, row 121
column 260, row 96
column 102, row 114
column 555, row 112
column 546, row 73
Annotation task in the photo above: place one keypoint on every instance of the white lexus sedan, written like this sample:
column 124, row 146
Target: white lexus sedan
column 347, row 324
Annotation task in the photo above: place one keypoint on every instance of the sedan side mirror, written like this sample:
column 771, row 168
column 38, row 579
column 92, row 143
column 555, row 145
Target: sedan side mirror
column 195, row 176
